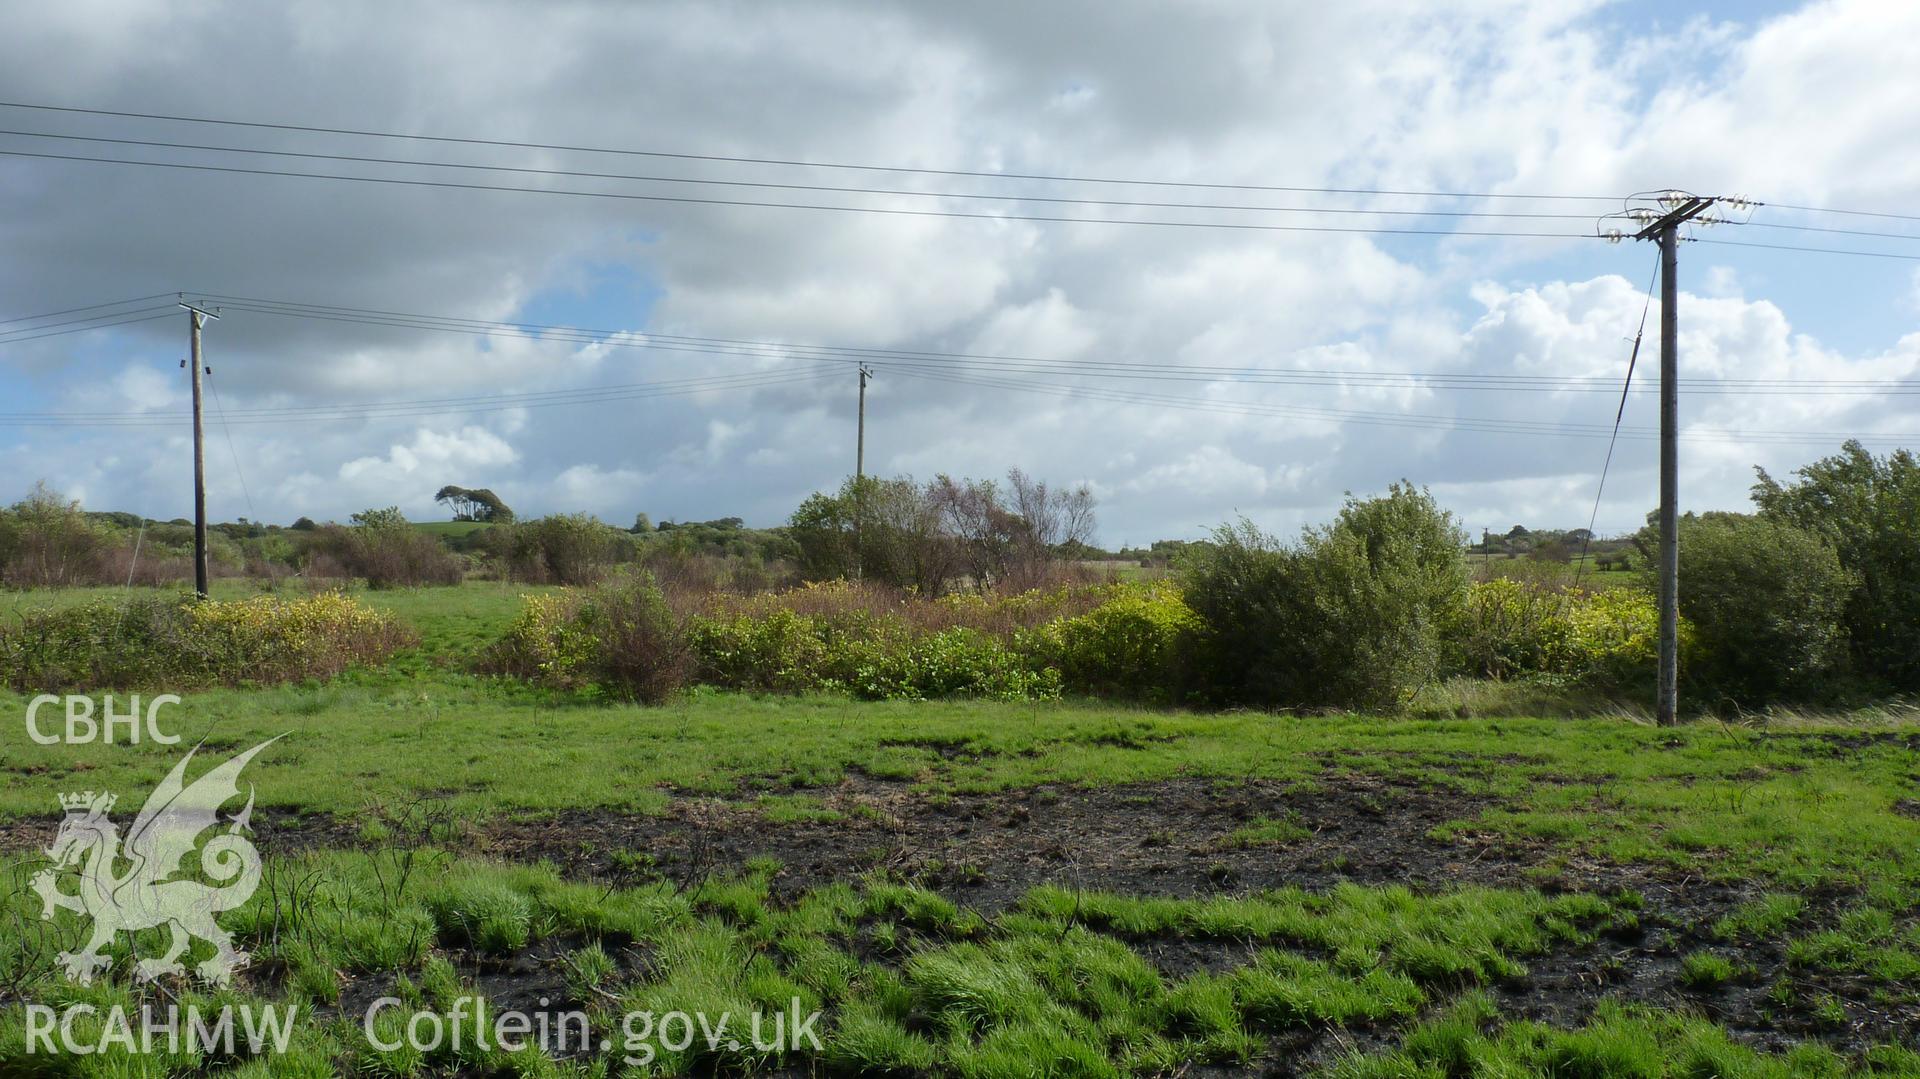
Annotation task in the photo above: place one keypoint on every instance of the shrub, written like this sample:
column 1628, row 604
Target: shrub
column 1866, row 508
column 1506, row 628
column 1766, row 601
column 621, row 637
column 1130, row 646
column 46, row 541
column 957, row 662
column 1348, row 617
column 185, row 642
column 780, row 651
column 569, row 548
column 390, row 553
column 865, row 640
column 1613, row 639
column 1607, row 639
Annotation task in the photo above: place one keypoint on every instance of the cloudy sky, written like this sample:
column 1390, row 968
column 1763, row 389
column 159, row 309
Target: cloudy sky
column 1148, row 360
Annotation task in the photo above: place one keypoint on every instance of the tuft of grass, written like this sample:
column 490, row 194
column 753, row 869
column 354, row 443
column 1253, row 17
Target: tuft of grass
column 1621, row 1042
column 1759, row 918
column 1706, row 970
column 589, row 971
column 1269, row 832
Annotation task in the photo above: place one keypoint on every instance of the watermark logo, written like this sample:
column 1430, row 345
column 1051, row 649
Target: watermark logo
column 82, row 727
column 156, row 848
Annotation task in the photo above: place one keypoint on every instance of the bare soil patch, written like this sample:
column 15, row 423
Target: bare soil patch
column 1182, row 837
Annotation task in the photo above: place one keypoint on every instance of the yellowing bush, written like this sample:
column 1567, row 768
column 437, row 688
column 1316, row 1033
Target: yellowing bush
column 620, row 638
column 779, row 650
column 186, row 643
column 1130, row 646
column 1608, row 638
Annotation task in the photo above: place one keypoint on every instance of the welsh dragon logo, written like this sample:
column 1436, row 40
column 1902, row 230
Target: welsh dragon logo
column 143, row 883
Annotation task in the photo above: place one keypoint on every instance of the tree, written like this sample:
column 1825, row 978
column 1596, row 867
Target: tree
column 476, row 504
column 1050, row 520
column 642, row 524
column 1349, row 616
column 1868, row 509
column 1766, row 599
column 921, row 537
column 379, row 519
column 981, row 528
column 46, row 539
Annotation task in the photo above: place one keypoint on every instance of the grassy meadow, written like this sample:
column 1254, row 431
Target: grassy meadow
column 1489, row 882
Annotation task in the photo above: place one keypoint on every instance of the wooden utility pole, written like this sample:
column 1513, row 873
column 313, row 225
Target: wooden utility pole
column 860, row 437
column 1665, row 230
column 860, row 474
column 195, row 319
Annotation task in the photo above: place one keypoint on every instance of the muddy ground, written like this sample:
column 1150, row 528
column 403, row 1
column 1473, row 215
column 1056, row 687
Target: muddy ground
column 1176, row 838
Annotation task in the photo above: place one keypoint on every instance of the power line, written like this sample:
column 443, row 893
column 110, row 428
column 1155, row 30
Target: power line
column 414, row 410
column 1486, row 425
column 798, row 163
column 1633, row 358
column 227, row 429
column 962, row 214
column 87, row 318
column 895, row 169
column 1850, row 213
column 528, row 397
column 1823, row 228
column 829, row 188
column 1810, row 250
column 892, row 211
column 144, row 317
column 88, row 307
column 1095, row 368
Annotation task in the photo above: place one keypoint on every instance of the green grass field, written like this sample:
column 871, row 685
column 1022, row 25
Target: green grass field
column 994, row 889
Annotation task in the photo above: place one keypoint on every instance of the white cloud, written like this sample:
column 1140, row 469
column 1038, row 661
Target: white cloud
column 408, row 472
column 1475, row 95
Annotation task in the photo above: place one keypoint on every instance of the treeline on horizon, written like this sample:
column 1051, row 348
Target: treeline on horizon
column 1813, row 596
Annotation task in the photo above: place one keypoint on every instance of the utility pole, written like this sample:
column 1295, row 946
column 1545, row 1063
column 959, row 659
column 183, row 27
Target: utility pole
column 1664, row 229
column 860, row 474
column 195, row 319
column 860, row 439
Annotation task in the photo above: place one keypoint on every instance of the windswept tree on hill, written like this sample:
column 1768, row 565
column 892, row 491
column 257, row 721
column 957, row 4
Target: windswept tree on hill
column 474, row 504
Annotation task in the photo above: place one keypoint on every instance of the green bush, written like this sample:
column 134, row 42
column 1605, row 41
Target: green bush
column 1506, row 628
column 389, row 552
column 957, row 662
column 47, row 541
column 1606, row 639
column 1868, row 509
column 1766, row 600
column 1613, row 639
column 621, row 638
column 1348, row 617
column 1130, row 646
column 779, row 651
column 186, row 643
column 567, row 548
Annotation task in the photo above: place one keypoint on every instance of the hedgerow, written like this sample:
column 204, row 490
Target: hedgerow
column 185, row 643
column 828, row 637
column 1606, row 639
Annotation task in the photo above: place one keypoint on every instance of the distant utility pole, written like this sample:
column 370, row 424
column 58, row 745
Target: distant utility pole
column 860, row 438
column 1664, row 229
column 195, row 318
column 860, row 473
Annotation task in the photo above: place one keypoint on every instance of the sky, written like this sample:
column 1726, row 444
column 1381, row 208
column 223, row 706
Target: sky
column 331, row 411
